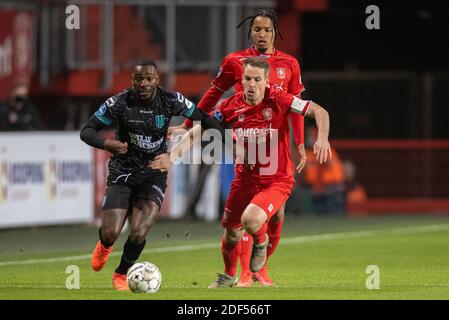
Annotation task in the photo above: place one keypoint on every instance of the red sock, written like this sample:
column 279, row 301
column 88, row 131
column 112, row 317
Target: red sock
column 274, row 231
column 231, row 253
column 260, row 235
column 245, row 251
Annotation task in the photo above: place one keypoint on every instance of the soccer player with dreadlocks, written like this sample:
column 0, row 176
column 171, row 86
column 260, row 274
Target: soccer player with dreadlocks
column 284, row 76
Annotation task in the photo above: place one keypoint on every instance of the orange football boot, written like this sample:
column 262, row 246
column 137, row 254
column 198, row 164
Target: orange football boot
column 120, row 281
column 100, row 256
column 246, row 279
column 263, row 278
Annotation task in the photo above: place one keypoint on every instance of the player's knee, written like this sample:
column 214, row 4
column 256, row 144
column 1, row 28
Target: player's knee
column 253, row 218
column 251, row 226
column 138, row 236
column 110, row 234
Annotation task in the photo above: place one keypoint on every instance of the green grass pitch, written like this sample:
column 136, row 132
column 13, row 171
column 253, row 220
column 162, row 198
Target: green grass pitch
column 318, row 258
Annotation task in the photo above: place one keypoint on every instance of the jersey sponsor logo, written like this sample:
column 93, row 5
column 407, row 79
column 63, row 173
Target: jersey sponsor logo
column 145, row 142
column 280, row 73
column 257, row 135
column 159, row 121
column 278, row 86
column 242, row 108
column 267, row 114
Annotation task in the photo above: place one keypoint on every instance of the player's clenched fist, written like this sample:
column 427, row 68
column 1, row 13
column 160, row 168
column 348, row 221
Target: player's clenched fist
column 322, row 150
column 116, row 146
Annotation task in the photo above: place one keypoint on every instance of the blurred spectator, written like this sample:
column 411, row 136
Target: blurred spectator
column 18, row 113
column 355, row 192
column 323, row 183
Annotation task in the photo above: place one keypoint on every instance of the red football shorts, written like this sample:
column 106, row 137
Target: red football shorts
column 269, row 197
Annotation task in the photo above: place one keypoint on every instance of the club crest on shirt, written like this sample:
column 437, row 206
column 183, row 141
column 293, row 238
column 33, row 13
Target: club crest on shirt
column 160, row 121
column 280, row 73
column 267, row 114
column 241, row 117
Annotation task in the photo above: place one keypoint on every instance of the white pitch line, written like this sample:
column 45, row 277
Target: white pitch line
column 293, row 240
column 88, row 256
column 366, row 233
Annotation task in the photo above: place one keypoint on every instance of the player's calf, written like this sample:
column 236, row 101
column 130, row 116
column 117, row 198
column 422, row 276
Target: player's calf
column 258, row 255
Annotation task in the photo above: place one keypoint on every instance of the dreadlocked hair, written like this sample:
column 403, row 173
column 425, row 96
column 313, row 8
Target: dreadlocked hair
column 265, row 14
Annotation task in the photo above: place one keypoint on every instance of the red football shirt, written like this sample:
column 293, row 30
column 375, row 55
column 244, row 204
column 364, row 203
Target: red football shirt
column 285, row 76
column 258, row 125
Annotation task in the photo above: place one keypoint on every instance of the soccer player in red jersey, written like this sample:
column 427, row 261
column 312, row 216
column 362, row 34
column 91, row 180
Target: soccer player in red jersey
column 259, row 115
column 285, row 76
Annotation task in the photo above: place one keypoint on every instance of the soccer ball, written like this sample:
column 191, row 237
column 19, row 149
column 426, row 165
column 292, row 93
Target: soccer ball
column 144, row 277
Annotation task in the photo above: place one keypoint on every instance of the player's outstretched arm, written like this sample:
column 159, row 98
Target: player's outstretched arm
column 206, row 104
column 164, row 161
column 187, row 141
column 209, row 122
column 321, row 148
